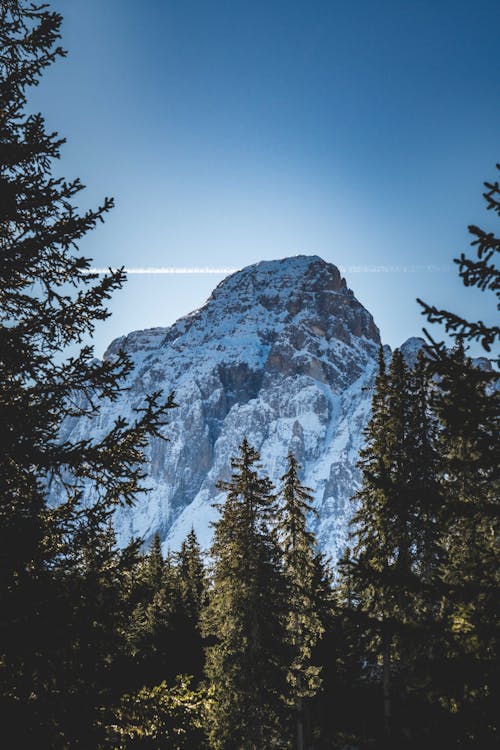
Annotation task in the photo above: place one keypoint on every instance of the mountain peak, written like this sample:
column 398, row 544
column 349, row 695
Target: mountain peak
column 265, row 298
column 255, row 306
column 282, row 353
column 308, row 272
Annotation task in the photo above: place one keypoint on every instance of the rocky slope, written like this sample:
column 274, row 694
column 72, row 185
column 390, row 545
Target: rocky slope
column 282, row 353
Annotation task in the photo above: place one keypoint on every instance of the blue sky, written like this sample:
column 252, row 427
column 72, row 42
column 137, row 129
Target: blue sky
column 231, row 132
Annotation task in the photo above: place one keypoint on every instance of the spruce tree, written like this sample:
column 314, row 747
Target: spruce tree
column 244, row 619
column 480, row 272
column 161, row 718
column 469, row 417
column 380, row 523
column 350, row 682
column 396, row 538
column 423, row 470
column 467, row 404
column 49, row 302
column 303, row 625
column 320, row 717
column 192, row 577
column 90, row 671
column 157, row 623
column 193, row 592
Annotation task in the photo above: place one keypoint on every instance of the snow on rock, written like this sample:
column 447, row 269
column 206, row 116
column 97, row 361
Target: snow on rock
column 282, row 353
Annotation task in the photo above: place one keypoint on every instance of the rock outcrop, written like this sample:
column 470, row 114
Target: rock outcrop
column 282, row 353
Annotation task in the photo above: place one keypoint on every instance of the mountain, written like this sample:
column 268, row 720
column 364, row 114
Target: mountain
column 282, row 353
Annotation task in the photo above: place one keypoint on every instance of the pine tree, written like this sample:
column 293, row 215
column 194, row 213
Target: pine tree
column 161, row 718
column 382, row 541
column 423, row 470
column 91, row 626
column 192, row 577
column 48, row 302
column 303, row 625
column 469, row 418
column 396, row 535
column 243, row 618
column 466, row 401
column 193, row 593
column 156, row 625
column 480, row 272
column 154, row 565
column 349, row 681
column 319, row 717
column 372, row 549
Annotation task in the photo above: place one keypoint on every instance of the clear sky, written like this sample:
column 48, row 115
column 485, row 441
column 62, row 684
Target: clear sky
column 232, row 132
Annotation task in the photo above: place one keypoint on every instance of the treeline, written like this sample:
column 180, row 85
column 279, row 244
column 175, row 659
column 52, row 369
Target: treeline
column 260, row 644
column 396, row 647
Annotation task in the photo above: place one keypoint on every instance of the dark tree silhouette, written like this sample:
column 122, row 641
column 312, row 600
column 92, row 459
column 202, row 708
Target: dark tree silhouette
column 480, row 272
column 244, row 616
column 49, row 305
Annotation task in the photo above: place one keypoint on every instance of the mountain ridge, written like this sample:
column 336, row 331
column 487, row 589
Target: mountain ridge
column 282, row 353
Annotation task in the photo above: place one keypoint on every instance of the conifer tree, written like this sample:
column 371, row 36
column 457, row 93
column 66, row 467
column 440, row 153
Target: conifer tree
column 395, row 531
column 422, row 458
column 192, row 577
column 154, row 568
column 48, row 302
column 244, row 618
column 193, row 593
column 481, row 272
column 161, row 718
column 93, row 650
column 469, row 416
column 325, row 650
column 156, row 626
column 349, row 687
column 466, row 401
column 166, row 596
column 300, row 565
column 380, row 527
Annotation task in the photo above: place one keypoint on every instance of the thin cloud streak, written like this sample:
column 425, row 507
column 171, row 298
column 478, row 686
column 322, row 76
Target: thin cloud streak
column 168, row 270
column 396, row 269
column 194, row 270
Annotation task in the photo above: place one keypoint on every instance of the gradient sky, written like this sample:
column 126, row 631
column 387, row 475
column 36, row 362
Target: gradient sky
column 232, row 132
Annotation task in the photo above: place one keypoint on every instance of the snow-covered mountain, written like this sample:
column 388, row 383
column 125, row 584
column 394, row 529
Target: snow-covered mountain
column 282, row 353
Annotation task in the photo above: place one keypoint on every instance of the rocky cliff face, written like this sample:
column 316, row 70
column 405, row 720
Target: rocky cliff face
column 282, row 353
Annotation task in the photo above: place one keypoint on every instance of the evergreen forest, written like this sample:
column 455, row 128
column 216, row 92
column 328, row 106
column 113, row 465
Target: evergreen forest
column 259, row 643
